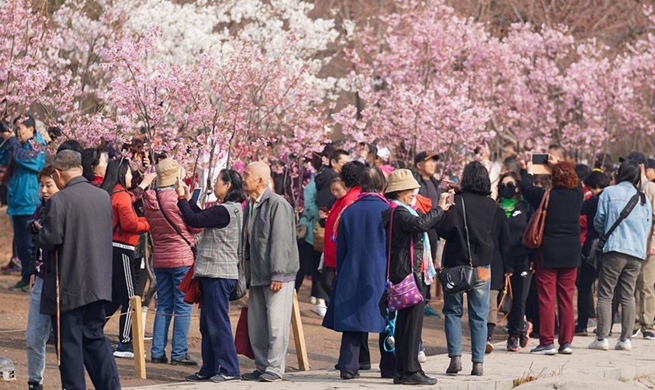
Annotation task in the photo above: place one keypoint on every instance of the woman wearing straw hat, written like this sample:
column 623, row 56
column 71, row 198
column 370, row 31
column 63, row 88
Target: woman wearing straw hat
column 408, row 236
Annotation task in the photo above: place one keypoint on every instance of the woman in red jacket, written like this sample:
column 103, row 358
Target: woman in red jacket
column 126, row 229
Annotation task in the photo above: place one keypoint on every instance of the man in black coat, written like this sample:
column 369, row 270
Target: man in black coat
column 77, row 227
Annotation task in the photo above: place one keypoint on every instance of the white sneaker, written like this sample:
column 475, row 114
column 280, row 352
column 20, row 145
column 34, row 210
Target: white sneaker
column 623, row 345
column 601, row 345
column 312, row 300
column 421, row 357
column 320, row 310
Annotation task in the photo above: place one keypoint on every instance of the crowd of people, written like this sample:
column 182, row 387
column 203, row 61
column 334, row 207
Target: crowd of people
column 379, row 241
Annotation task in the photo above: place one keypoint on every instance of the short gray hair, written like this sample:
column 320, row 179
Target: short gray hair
column 67, row 160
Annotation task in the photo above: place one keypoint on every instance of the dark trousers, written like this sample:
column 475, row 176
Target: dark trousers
column 409, row 324
column 556, row 284
column 219, row 355
column 122, row 283
column 532, row 304
column 309, row 261
column 327, row 280
column 354, row 351
column 23, row 243
column 521, row 289
column 83, row 344
column 586, row 278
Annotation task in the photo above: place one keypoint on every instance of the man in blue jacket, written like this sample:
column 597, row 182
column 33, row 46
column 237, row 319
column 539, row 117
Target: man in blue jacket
column 24, row 155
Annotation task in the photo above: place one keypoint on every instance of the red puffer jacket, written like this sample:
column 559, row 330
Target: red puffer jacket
column 126, row 224
column 169, row 249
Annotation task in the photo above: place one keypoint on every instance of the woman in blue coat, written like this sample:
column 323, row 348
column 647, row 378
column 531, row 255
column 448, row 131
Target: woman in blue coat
column 361, row 269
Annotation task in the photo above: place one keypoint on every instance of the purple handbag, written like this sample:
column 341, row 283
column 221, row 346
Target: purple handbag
column 406, row 293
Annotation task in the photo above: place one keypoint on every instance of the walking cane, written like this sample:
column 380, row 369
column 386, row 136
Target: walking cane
column 58, row 310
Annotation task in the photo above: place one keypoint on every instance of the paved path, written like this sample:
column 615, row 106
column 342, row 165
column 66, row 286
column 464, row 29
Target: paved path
column 503, row 371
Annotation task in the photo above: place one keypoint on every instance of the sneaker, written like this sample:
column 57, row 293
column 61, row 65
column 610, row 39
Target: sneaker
column 421, row 357
column 544, row 350
column 601, row 345
column 581, row 332
column 623, row 345
column 636, row 333
column 224, row 378
column 320, row 310
column 430, row 312
column 34, row 386
column 489, row 348
column 251, row 376
column 20, row 286
column 565, row 349
column 416, row 379
column 512, row 344
column 648, row 335
column 159, row 360
column 184, row 361
column 197, row 378
column 14, row 266
column 269, row 377
column 124, row 351
column 524, row 339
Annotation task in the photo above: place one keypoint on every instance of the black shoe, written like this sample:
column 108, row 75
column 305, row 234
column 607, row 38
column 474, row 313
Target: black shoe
column 648, row 335
column 159, row 360
column 349, row 375
column 512, row 344
column 416, row 379
column 581, row 332
column 252, row 376
column 362, row 367
column 197, row 378
column 34, row 386
column 455, row 365
column 185, row 361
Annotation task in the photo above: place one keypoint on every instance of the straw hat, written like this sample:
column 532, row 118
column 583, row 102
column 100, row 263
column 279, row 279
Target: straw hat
column 167, row 172
column 401, row 180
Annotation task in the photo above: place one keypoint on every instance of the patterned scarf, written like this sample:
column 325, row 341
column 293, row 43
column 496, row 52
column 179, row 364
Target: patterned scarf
column 427, row 266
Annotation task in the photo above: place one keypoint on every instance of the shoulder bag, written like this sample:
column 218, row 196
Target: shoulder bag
column 406, row 293
column 597, row 246
column 459, row 279
column 534, row 232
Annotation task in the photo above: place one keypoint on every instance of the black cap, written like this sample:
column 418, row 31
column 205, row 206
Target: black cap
column 650, row 163
column 425, row 156
column 637, row 157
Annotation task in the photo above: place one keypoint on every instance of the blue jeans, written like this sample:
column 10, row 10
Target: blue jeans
column 37, row 334
column 170, row 302
column 478, row 306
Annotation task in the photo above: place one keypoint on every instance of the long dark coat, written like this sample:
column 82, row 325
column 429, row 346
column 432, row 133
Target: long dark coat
column 78, row 227
column 361, row 269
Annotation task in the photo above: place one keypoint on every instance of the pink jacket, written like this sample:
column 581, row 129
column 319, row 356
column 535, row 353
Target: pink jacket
column 169, row 249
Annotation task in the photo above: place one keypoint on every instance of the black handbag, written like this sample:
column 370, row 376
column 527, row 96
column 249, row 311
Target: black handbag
column 458, row 279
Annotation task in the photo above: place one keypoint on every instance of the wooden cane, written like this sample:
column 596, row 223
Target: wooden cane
column 58, row 310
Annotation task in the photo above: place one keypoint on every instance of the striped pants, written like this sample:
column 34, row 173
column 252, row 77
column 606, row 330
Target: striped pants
column 123, row 283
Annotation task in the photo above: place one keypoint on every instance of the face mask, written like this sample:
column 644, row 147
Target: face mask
column 507, row 192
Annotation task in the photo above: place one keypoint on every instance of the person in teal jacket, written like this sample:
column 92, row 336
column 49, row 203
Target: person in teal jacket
column 23, row 154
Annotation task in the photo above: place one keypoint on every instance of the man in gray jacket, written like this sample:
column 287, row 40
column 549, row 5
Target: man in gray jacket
column 269, row 236
column 77, row 227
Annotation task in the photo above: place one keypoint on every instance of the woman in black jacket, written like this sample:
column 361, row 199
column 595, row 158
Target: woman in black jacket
column 558, row 257
column 517, row 262
column 595, row 182
column 408, row 236
column 479, row 214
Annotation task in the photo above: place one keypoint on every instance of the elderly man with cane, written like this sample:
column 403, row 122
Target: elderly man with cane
column 77, row 227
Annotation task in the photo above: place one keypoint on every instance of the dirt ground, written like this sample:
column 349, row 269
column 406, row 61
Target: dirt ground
column 322, row 344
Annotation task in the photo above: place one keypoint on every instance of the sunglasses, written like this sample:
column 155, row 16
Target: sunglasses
column 510, row 185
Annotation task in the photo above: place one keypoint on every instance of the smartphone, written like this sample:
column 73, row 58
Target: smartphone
column 451, row 198
column 195, row 195
column 540, row 159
